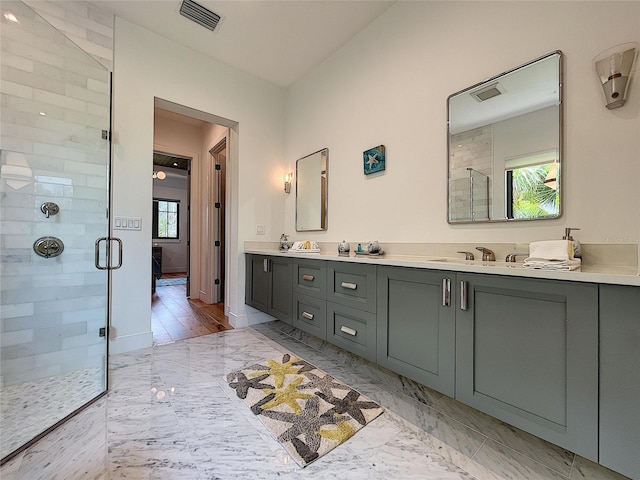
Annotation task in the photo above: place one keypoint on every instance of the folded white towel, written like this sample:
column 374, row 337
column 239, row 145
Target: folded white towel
column 552, row 249
column 545, row 264
column 305, row 246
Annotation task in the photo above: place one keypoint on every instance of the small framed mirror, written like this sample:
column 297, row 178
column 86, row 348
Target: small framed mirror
column 311, row 191
column 505, row 145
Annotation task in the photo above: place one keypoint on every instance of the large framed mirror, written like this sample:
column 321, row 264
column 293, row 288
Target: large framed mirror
column 311, row 191
column 505, row 145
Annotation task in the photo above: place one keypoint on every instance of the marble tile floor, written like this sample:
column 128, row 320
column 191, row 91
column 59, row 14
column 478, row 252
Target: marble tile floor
column 26, row 407
column 170, row 415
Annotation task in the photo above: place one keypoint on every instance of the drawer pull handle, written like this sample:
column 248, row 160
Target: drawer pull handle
column 308, row 278
column 350, row 286
column 308, row 316
column 347, row 330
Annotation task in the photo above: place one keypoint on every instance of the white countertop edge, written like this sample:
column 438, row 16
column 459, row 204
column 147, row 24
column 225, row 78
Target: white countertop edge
column 615, row 275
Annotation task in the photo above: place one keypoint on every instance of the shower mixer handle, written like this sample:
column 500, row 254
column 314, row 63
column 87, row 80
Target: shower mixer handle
column 49, row 208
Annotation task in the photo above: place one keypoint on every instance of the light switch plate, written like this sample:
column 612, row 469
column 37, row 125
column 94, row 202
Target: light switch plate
column 259, row 229
column 127, row 223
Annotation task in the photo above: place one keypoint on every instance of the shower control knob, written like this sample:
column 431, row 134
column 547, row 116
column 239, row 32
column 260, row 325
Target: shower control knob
column 48, row 247
column 49, row 208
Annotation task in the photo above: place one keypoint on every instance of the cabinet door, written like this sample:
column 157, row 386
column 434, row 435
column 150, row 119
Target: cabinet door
column 280, row 299
column 620, row 379
column 416, row 326
column 527, row 353
column 257, row 282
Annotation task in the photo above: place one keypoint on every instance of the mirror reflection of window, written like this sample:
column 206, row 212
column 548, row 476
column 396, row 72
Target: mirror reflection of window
column 532, row 186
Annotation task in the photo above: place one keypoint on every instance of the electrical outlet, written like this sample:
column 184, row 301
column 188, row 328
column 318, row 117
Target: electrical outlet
column 259, row 229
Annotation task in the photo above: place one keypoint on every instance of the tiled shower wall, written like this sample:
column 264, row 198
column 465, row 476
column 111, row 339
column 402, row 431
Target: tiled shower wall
column 473, row 148
column 51, row 309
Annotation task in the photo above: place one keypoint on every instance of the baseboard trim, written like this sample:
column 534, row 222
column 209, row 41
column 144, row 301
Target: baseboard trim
column 128, row 343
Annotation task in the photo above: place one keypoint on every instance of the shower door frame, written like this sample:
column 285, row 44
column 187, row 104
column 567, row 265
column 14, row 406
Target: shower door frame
column 104, row 331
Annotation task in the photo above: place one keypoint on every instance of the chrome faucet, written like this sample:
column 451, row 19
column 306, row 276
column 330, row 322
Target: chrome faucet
column 487, row 255
column 467, row 255
column 512, row 256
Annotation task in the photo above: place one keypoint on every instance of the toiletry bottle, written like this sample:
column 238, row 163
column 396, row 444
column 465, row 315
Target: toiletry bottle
column 577, row 250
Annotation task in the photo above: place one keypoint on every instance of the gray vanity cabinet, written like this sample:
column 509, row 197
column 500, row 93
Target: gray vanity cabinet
column 527, row 354
column 351, row 307
column 620, row 379
column 310, row 296
column 268, row 285
column 416, row 325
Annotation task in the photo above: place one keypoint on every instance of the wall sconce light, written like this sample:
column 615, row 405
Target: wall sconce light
column 160, row 175
column 288, row 177
column 614, row 67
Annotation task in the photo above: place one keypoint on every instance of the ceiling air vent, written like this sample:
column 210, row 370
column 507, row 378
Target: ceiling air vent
column 199, row 14
column 487, row 92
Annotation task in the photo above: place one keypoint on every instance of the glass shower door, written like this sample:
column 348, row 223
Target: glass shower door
column 54, row 199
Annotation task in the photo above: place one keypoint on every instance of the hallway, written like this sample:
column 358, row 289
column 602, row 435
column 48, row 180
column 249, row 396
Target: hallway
column 175, row 317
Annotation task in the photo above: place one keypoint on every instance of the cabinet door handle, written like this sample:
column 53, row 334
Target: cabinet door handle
column 308, row 278
column 265, row 264
column 463, row 295
column 350, row 286
column 446, row 292
column 308, row 316
column 347, row 330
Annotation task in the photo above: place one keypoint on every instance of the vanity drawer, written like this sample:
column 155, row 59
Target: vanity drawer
column 310, row 315
column 353, row 285
column 352, row 329
column 310, row 278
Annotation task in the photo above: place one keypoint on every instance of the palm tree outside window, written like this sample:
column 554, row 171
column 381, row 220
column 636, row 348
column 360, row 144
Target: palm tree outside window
column 532, row 186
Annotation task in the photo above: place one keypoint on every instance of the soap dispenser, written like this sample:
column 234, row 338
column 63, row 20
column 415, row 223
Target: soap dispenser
column 577, row 250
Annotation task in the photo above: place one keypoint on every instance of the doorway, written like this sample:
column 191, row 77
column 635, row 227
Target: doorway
column 203, row 146
column 171, row 207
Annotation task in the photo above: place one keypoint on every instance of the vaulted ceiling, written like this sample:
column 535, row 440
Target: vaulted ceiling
column 278, row 41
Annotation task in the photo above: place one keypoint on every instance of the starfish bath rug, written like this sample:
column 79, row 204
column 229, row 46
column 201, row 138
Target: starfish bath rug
column 308, row 411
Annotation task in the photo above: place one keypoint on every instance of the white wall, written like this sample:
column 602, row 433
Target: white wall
column 147, row 66
column 390, row 84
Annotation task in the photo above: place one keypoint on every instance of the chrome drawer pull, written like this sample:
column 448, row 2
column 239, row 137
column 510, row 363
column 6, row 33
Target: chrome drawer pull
column 347, row 330
column 309, row 278
column 350, row 286
column 308, row 316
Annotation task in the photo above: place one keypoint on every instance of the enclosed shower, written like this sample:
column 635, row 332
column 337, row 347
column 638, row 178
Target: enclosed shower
column 54, row 237
column 469, row 197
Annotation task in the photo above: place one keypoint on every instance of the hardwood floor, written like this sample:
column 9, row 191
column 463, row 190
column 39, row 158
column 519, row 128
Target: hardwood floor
column 175, row 317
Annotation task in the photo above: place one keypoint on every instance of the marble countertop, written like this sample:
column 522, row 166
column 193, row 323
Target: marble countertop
column 615, row 275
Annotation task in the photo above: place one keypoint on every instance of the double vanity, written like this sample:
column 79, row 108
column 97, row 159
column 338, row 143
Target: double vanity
column 553, row 353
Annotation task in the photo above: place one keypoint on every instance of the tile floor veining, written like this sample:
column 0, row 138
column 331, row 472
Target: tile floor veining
column 170, row 415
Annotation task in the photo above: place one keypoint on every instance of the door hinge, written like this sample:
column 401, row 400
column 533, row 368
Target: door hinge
column 216, row 243
column 102, row 332
column 217, row 281
column 217, row 204
column 106, row 135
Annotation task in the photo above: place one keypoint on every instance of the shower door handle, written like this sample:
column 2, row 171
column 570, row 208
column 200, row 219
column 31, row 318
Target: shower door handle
column 108, row 241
